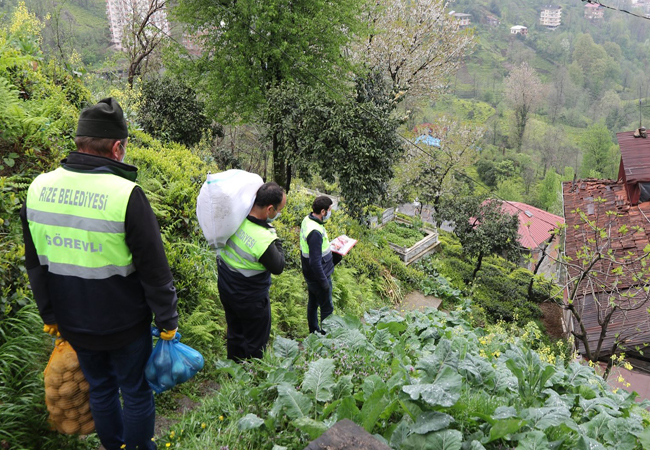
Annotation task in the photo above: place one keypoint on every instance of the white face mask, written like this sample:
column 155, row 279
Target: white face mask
column 327, row 216
column 124, row 155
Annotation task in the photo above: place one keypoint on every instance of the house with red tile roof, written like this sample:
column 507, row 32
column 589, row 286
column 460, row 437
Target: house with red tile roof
column 535, row 233
column 610, row 220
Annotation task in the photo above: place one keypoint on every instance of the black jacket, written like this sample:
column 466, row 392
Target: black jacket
column 108, row 313
column 317, row 267
column 235, row 285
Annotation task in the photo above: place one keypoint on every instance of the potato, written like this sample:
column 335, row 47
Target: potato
column 70, row 426
column 68, row 389
column 84, row 407
column 58, row 426
column 52, row 394
column 79, row 399
column 68, row 375
column 71, row 361
column 53, row 379
column 54, row 410
column 71, row 413
column 57, row 366
column 79, row 376
column 87, row 427
column 84, row 386
column 85, row 418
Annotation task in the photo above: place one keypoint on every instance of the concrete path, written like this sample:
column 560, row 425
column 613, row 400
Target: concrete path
column 416, row 300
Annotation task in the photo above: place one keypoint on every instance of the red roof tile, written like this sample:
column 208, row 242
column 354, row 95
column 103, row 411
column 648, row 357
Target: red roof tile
column 535, row 224
column 594, row 198
column 635, row 157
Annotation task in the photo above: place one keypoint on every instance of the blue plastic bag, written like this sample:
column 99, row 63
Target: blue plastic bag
column 171, row 363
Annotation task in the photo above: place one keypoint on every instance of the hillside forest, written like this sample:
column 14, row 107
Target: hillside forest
column 379, row 104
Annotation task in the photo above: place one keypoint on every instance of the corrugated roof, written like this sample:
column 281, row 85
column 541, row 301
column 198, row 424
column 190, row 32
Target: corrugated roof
column 585, row 196
column 535, row 224
column 635, row 157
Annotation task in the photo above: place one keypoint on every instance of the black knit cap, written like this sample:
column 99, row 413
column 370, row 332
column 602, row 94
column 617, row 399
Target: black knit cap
column 103, row 120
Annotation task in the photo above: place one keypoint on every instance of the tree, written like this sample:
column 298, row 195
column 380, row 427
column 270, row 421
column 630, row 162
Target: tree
column 606, row 284
column 431, row 169
column 596, row 144
column 600, row 69
column 483, row 228
column 169, row 109
column 352, row 140
column 524, row 92
column 548, row 193
column 250, row 47
column 417, row 45
column 547, row 141
column 557, row 95
column 145, row 30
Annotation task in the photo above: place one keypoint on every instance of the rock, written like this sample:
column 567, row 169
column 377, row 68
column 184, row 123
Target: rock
column 346, row 435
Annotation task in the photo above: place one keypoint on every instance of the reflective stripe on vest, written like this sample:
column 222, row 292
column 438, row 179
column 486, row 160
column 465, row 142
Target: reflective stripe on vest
column 76, row 220
column 308, row 225
column 244, row 249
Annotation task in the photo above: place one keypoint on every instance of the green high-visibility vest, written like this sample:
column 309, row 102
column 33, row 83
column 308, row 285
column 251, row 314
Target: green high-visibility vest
column 308, row 225
column 76, row 220
column 244, row 249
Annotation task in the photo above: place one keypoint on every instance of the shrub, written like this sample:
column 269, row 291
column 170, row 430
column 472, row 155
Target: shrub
column 457, row 271
column 503, row 297
column 170, row 109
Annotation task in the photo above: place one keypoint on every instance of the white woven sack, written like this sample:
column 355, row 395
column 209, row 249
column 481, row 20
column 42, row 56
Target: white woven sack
column 223, row 203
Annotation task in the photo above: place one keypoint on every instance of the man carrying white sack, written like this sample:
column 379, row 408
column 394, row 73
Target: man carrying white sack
column 245, row 264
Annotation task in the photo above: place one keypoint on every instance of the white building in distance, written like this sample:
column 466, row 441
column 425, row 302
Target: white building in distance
column 551, row 16
column 519, row 29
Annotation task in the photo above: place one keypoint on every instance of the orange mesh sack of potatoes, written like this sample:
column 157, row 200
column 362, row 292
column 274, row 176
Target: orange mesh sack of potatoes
column 66, row 392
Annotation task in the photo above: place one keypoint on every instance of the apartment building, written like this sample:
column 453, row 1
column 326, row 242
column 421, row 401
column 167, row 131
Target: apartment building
column 551, row 16
column 594, row 11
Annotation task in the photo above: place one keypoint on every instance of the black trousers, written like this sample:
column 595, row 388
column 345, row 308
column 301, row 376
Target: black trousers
column 249, row 325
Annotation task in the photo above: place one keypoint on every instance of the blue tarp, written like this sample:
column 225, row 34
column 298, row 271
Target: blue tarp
column 428, row 140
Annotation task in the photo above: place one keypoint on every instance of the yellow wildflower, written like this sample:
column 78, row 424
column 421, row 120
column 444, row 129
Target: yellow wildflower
column 203, row 425
column 220, row 417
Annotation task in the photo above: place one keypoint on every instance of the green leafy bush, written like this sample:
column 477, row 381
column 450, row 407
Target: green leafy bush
column 504, row 297
column 170, row 110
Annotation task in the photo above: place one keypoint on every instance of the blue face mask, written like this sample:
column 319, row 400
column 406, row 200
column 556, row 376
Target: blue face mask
column 327, row 216
column 269, row 219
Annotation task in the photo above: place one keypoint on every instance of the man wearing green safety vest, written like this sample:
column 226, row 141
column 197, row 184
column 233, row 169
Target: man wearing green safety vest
column 317, row 262
column 245, row 266
column 98, row 270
